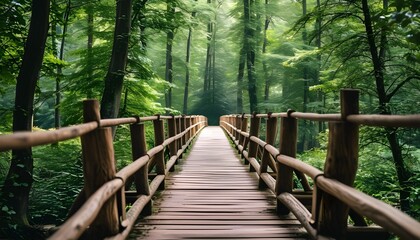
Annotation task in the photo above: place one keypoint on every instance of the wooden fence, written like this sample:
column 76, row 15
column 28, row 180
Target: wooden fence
column 100, row 209
column 323, row 210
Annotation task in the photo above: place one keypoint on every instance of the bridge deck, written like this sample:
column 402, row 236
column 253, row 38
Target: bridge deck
column 212, row 195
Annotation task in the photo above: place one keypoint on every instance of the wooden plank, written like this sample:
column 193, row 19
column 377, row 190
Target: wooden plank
column 213, row 196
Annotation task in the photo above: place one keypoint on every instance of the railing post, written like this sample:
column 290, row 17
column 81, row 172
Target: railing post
column 178, row 131
column 244, row 128
column 172, row 128
column 271, row 128
column 141, row 177
column 253, row 146
column 187, row 125
column 99, row 168
column 194, row 121
column 183, row 127
column 340, row 164
column 159, row 157
column 172, row 132
column 238, row 127
column 232, row 121
column 288, row 142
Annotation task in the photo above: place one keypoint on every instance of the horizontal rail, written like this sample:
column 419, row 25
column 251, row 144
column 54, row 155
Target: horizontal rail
column 385, row 215
column 412, row 121
column 379, row 212
column 21, row 140
column 78, row 223
column 100, row 207
column 377, row 120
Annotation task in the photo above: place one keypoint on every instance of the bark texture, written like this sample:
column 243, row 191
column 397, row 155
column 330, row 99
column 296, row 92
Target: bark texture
column 111, row 98
column 19, row 179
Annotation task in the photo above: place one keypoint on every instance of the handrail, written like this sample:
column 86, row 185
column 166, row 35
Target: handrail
column 19, row 140
column 376, row 120
column 71, row 229
column 326, row 183
column 108, row 196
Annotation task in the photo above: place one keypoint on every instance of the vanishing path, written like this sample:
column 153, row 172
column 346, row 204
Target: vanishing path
column 212, row 195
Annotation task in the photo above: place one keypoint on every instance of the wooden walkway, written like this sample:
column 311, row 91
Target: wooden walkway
column 212, row 195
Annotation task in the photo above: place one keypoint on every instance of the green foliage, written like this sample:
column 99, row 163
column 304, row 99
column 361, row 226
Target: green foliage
column 214, row 104
column 58, row 179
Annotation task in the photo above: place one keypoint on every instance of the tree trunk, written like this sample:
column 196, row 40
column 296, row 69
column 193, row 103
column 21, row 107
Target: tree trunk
column 378, row 59
column 139, row 9
column 318, row 25
column 89, row 56
column 209, row 60
column 249, row 34
column 187, row 62
column 60, row 68
column 54, row 33
column 306, row 126
column 111, row 98
column 19, row 179
column 213, row 55
column 169, row 66
column 240, row 79
column 264, row 50
column 187, row 73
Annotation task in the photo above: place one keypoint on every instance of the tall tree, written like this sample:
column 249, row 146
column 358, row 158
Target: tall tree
column 187, row 68
column 264, row 51
column 208, row 76
column 377, row 52
column 240, row 78
column 19, row 178
column 364, row 52
column 250, row 40
column 89, row 53
column 111, row 97
column 318, row 25
column 170, row 35
column 60, row 56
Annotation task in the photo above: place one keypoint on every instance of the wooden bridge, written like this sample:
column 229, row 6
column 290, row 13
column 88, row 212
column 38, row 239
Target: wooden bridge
column 214, row 196
column 249, row 190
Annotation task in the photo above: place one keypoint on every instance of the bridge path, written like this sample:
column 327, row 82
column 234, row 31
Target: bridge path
column 213, row 196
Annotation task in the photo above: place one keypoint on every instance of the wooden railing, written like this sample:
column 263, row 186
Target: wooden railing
column 323, row 210
column 100, row 209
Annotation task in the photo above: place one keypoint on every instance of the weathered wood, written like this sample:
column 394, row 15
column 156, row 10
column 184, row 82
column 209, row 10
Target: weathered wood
column 244, row 129
column 288, row 142
column 238, row 124
column 379, row 212
column 253, row 132
column 372, row 232
column 99, row 168
column 271, row 128
column 178, row 131
column 214, row 197
column 82, row 219
column 139, row 149
column 299, row 210
column 183, row 127
column 340, row 164
column 20, row 140
column 412, row 120
column 159, row 157
column 172, row 131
